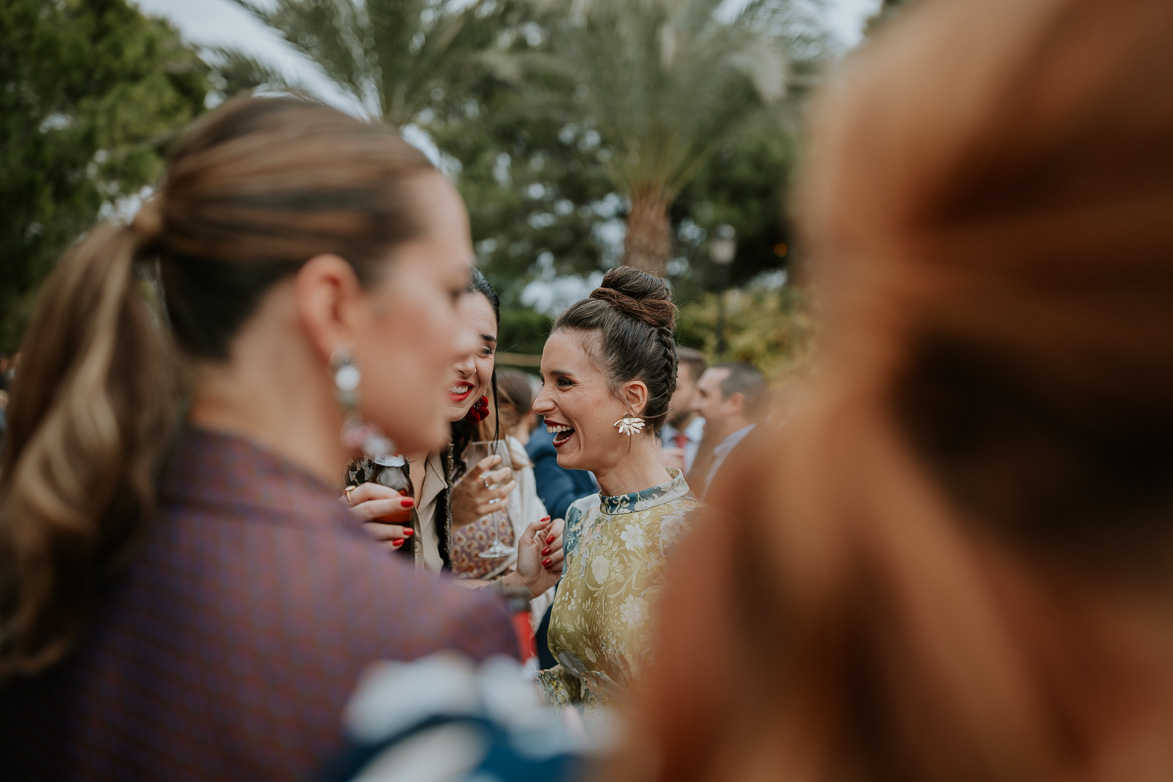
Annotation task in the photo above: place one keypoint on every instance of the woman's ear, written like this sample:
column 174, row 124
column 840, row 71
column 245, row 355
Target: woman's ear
column 330, row 303
column 635, row 396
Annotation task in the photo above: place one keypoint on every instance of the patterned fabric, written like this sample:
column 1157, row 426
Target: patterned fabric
column 442, row 719
column 227, row 649
column 470, row 540
column 616, row 563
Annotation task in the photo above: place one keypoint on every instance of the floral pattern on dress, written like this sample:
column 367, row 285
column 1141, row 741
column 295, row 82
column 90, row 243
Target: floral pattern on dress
column 616, row 563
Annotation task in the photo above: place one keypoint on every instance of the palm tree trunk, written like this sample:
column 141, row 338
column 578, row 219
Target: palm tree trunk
column 648, row 237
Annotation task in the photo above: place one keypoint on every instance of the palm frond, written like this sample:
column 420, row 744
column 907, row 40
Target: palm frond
column 667, row 82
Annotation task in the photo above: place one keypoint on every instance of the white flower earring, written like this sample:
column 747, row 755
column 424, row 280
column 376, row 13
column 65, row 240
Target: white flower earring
column 629, row 425
column 357, row 434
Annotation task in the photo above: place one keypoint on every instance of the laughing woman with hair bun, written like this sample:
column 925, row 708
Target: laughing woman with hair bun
column 608, row 373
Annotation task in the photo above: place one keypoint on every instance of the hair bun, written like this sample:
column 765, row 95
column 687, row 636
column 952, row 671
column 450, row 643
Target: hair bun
column 638, row 295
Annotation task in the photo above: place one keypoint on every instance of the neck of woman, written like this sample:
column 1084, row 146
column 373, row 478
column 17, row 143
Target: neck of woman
column 224, row 402
column 638, row 468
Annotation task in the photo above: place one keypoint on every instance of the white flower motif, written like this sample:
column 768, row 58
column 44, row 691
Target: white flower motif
column 633, row 537
column 633, row 611
column 629, row 425
column 600, row 567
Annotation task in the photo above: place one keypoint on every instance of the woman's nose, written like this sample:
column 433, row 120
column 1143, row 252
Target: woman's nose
column 542, row 403
column 465, row 365
column 464, row 345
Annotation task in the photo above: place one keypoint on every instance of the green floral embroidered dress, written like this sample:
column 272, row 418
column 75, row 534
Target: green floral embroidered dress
column 616, row 564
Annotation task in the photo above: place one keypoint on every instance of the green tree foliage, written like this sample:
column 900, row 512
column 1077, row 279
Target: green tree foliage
column 551, row 116
column 398, row 59
column 771, row 328
column 745, row 187
column 92, row 92
column 667, row 83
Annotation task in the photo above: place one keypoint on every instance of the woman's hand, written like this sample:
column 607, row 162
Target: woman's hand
column 478, row 493
column 540, row 555
column 385, row 513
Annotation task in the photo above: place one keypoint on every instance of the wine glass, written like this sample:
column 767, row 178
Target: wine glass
column 473, row 453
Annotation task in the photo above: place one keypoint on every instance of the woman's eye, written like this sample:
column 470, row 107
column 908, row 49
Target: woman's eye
column 564, row 382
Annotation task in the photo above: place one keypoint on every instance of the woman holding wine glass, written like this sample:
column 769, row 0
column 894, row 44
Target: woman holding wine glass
column 461, row 505
column 608, row 373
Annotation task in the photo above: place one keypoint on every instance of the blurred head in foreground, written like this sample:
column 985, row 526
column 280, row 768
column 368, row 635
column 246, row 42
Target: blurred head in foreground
column 956, row 565
column 287, row 236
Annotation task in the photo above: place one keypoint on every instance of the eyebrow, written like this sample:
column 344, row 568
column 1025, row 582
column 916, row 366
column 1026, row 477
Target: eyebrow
column 489, row 338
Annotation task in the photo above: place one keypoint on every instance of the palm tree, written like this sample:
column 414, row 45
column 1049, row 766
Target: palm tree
column 395, row 58
column 666, row 83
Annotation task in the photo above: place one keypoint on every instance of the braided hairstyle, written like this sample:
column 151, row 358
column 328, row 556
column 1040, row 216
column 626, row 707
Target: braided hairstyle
column 634, row 319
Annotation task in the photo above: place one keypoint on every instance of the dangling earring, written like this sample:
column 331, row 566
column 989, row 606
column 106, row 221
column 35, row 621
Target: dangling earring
column 357, row 434
column 630, row 424
column 479, row 411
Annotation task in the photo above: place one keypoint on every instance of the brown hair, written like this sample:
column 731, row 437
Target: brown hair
column 251, row 191
column 959, row 563
column 747, row 380
column 515, row 397
column 632, row 315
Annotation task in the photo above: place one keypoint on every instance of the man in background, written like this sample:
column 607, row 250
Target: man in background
column 732, row 399
column 681, row 434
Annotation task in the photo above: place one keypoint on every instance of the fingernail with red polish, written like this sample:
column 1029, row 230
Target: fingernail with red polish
column 545, row 551
column 545, row 563
column 407, row 533
column 545, row 518
column 550, row 539
column 398, row 543
column 407, row 502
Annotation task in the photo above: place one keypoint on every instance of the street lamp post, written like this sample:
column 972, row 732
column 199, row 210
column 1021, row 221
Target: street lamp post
column 723, row 246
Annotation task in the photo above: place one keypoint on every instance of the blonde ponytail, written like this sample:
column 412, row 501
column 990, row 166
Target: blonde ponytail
column 252, row 190
column 90, row 417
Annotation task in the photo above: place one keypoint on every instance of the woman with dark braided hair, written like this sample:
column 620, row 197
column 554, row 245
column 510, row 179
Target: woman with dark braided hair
column 454, row 507
column 608, row 373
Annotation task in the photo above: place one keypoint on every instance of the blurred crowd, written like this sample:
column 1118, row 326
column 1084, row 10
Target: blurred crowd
column 279, row 514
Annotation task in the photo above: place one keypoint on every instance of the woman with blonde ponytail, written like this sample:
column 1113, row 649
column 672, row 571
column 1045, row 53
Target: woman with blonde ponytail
column 182, row 595
column 954, row 561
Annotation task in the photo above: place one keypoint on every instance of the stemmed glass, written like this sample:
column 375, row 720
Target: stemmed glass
column 474, row 453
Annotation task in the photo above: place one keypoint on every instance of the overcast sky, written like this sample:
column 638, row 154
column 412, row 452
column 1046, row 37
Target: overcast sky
column 222, row 23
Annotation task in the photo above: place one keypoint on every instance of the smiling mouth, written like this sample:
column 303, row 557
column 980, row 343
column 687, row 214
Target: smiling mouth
column 459, row 392
column 561, row 434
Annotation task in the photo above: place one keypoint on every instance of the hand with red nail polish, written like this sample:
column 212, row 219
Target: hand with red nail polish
column 384, row 513
column 540, row 556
